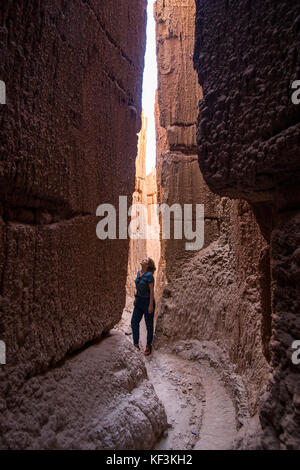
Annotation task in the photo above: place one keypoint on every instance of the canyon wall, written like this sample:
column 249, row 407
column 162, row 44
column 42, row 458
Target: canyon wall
column 215, row 293
column 73, row 74
column 247, row 57
column 145, row 241
column 138, row 246
column 145, row 194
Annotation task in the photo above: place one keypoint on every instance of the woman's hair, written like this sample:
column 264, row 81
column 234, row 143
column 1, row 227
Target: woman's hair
column 151, row 265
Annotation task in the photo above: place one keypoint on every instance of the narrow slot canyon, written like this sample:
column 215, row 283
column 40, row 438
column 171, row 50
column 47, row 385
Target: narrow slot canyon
column 223, row 373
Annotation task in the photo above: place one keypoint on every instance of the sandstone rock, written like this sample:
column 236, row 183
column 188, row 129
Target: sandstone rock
column 97, row 399
column 249, row 436
column 73, row 74
column 248, row 127
column 182, row 182
column 179, row 178
column 63, row 153
column 216, row 293
column 280, row 411
column 178, row 89
column 248, row 146
column 139, row 248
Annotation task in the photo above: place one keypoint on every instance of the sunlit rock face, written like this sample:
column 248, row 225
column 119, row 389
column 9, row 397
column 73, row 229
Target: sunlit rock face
column 138, row 246
column 246, row 56
column 73, row 74
column 178, row 89
column 216, row 293
column 144, row 227
column 178, row 94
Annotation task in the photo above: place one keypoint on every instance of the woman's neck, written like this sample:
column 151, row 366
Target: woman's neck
column 143, row 270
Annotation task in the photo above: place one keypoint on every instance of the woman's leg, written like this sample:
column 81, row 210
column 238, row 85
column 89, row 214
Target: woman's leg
column 135, row 323
column 149, row 320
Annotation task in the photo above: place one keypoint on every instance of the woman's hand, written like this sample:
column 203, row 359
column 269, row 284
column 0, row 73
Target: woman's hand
column 150, row 308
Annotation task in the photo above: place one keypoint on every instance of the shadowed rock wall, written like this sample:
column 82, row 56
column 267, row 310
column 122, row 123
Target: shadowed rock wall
column 73, row 74
column 215, row 293
column 248, row 132
column 247, row 56
column 73, row 77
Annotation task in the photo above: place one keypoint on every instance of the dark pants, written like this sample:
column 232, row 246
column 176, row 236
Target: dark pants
column 140, row 309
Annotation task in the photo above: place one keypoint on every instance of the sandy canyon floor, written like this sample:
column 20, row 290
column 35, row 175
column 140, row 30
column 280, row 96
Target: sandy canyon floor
column 204, row 399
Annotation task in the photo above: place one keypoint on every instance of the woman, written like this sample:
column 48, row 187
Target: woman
column 144, row 303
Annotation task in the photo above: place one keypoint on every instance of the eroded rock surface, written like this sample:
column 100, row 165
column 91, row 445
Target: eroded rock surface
column 248, row 129
column 73, row 77
column 99, row 398
column 218, row 293
column 205, row 400
column 247, row 57
column 73, row 74
column 178, row 89
column 216, row 296
column 145, row 239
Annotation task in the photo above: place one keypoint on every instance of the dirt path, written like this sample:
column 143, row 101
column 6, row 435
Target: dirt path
column 203, row 397
column 199, row 409
column 219, row 420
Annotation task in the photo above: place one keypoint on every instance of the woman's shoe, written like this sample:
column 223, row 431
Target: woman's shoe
column 137, row 346
column 148, row 350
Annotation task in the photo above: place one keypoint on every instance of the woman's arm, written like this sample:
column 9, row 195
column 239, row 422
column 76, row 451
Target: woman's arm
column 151, row 287
column 137, row 276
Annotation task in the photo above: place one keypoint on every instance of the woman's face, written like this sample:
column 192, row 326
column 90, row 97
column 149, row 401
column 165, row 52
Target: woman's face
column 144, row 262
